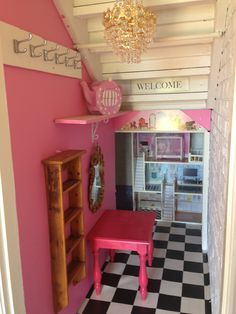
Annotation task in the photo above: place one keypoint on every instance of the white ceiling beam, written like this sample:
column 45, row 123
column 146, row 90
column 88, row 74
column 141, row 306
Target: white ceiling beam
column 194, row 13
column 155, row 65
column 161, row 42
column 158, row 74
column 169, row 30
column 78, row 32
column 165, row 97
column 107, row 49
column 169, row 104
column 86, row 9
column 165, row 53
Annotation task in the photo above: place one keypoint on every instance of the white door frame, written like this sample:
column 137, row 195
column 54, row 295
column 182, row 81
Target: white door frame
column 229, row 280
column 11, row 283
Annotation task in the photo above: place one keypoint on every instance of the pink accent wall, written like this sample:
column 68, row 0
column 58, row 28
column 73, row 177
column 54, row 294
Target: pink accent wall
column 39, row 17
column 35, row 99
column 202, row 117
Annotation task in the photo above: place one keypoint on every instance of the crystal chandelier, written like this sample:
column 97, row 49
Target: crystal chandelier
column 129, row 29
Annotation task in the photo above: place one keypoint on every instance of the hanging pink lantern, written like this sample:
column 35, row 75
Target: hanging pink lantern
column 103, row 97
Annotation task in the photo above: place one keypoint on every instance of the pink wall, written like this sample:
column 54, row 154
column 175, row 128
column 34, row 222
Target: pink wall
column 34, row 100
column 203, row 117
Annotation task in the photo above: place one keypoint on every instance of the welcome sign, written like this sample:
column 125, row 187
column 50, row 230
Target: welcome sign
column 157, row 86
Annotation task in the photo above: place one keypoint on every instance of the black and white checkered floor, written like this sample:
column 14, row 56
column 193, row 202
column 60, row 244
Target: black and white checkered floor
column 178, row 281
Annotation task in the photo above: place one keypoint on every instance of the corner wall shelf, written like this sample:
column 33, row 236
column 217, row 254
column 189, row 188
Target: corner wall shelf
column 88, row 119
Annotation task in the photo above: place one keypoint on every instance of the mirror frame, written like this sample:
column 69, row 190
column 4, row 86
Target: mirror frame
column 96, row 159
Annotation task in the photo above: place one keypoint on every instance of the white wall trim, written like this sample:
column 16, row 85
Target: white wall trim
column 12, row 293
column 205, row 191
column 229, row 279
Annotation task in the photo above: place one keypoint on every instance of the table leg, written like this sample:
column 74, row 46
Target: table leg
column 97, row 272
column 143, row 281
column 150, row 253
column 112, row 255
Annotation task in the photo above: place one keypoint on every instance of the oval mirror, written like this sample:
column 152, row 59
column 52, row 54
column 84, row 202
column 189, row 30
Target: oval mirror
column 96, row 179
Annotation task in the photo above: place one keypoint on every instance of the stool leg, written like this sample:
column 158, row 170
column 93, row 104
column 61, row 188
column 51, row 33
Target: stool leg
column 143, row 276
column 150, row 253
column 97, row 272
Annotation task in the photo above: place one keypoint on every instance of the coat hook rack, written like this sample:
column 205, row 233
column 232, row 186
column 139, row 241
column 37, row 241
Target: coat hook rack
column 47, row 52
column 32, row 49
column 17, row 43
column 67, row 60
column 58, row 56
column 76, row 64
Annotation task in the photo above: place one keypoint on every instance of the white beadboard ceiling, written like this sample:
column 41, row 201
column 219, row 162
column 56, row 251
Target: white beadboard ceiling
column 182, row 48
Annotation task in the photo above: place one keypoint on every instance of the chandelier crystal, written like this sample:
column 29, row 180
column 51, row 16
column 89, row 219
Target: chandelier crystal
column 129, row 29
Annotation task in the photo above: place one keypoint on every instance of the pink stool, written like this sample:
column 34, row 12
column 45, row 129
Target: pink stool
column 123, row 230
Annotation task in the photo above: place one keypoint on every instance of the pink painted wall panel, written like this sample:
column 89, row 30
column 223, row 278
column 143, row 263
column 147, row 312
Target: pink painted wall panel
column 203, row 117
column 34, row 100
column 39, row 17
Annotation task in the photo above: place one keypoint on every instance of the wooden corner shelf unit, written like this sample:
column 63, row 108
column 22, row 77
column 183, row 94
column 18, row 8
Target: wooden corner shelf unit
column 63, row 174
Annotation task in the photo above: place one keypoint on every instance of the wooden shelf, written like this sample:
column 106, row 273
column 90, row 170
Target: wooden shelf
column 88, row 119
column 71, row 213
column 69, row 185
column 71, row 243
column 76, row 272
column 67, row 253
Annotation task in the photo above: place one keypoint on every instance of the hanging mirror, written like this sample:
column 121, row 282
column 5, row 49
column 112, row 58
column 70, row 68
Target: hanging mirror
column 96, row 179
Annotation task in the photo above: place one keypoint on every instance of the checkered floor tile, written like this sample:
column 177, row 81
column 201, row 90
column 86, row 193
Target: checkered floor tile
column 178, row 281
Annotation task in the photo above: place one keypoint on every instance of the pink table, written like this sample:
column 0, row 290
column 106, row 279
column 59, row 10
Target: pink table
column 123, row 230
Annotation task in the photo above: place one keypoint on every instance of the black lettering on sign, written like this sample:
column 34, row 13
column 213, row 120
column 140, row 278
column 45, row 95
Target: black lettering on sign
column 158, row 85
column 140, row 86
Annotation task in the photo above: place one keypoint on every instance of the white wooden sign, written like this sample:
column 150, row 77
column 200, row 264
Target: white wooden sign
column 158, row 86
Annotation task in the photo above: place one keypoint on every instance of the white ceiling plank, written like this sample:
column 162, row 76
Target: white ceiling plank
column 77, row 30
column 165, row 97
column 90, row 2
column 178, row 63
column 161, row 42
column 185, row 28
column 165, row 53
column 174, row 30
column 158, row 74
column 179, row 15
column 100, row 48
column 173, row 104
column 86, row 9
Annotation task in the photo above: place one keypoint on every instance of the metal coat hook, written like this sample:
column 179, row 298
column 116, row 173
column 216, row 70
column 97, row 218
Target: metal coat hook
column 58, row 56
column 67, row 60
column 75, row 64
column 32, row 49
column 47, row 52
column 95, row 136
column 17, row 43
